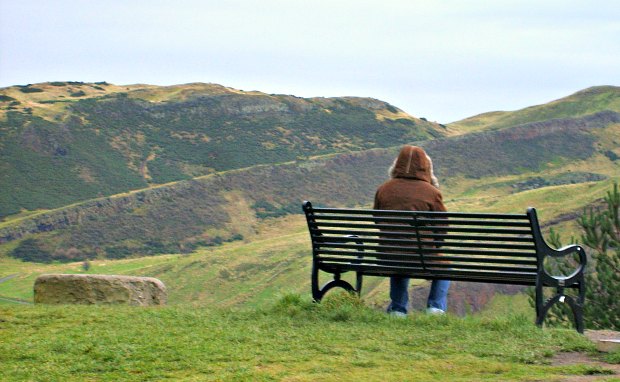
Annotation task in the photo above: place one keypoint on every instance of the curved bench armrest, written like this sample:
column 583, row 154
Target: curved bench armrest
column 574, row 277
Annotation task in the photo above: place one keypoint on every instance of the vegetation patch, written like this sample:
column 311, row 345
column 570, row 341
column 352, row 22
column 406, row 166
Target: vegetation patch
column 30, row 89
column 561, row 179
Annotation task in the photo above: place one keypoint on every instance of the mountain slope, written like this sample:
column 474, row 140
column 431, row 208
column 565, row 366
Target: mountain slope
column 65, row 142
column 585, row 102
column 226, row 205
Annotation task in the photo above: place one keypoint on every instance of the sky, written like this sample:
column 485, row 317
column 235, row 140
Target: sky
column 444, row 60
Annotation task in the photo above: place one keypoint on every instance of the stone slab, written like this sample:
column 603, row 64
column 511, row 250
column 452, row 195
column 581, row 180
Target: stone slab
column 99, row 289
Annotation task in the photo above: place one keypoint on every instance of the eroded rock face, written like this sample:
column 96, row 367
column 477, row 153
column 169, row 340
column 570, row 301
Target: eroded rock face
column 99, row 289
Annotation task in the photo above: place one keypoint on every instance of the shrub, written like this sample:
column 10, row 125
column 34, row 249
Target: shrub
column 29, row 89
column 31, row 250
column 611, row 155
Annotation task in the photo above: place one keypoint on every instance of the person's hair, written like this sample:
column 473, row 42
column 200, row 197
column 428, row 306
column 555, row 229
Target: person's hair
column 434, row 180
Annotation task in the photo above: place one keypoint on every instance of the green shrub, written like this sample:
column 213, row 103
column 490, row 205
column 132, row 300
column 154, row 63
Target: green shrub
column 31, row 250
column 611, row 155
column 29, row 89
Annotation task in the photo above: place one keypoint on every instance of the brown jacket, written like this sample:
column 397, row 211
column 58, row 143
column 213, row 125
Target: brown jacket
column 410, row 185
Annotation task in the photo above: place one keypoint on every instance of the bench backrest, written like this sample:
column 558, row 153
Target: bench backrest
column 496, row 248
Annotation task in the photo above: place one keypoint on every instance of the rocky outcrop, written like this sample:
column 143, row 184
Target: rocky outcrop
column 99, row 289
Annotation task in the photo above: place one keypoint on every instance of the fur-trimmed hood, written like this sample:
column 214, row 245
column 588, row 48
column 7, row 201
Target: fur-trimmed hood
column 412, row 186
column 412, row 162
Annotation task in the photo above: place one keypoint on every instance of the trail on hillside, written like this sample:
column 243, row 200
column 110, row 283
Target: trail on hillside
column 6, row 278
column 9, row 299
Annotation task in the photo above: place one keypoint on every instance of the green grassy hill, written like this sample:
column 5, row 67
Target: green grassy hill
column 586, row 102
column 62, row 143
column 207, row 210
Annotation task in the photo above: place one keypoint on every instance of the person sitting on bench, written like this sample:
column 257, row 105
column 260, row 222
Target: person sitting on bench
column 412, row 186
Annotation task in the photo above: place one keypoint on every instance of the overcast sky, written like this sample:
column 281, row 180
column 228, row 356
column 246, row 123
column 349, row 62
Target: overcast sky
column 443, row 60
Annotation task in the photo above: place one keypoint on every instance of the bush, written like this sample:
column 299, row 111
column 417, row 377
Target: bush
column 611, row 155
column 31, row 250
column 29, row 89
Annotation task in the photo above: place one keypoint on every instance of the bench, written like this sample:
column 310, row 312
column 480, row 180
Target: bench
column 459, row 246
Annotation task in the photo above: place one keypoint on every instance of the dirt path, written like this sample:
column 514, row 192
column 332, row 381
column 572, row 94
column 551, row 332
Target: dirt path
column 7, row 278
column 8, row 299
column 563, row 359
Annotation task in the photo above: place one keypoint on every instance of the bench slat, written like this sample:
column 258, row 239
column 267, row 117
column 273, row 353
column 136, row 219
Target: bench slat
column 493, row 277
column 382, row 250
column 434, row 228
column 318, row 233
column 319, row 210
column 432, row 257
column 375, row 249
column 426, row 265
column 406, row 242
column 420, row 221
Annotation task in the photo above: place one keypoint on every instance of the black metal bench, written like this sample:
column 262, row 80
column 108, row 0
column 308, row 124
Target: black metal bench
column 479, row 247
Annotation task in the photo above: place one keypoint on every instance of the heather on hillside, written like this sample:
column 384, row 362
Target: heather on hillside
column 236, row 158
column 206, row 210
column 106, row 144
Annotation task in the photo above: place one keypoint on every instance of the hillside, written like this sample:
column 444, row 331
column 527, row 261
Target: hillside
column 107, row 138
column 585, row 102
column 227, row 205
column 477, row 170
column 209, row 230
column 65, row 142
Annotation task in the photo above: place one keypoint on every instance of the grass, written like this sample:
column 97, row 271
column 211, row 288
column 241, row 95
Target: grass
column 293, row 339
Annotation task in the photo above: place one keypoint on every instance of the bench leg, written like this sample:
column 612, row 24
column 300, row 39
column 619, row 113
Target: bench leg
column 318, row 293
column 576, row 306
column 539, row 304
column 358, row 283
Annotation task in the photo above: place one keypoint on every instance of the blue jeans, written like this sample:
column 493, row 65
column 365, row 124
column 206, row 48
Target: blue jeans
column 437, row 296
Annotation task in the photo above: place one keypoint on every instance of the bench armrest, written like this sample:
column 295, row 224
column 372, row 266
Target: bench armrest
column 574, row 277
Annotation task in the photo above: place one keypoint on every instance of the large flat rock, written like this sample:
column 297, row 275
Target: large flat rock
column 99, row 289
